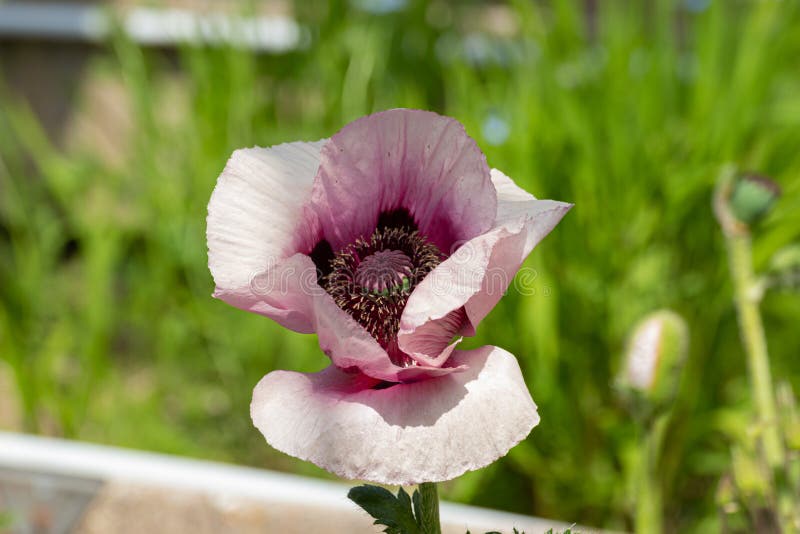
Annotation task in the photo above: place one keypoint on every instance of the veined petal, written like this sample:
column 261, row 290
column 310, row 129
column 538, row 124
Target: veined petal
column 432, row 342
column 256, row 224
column 253, row 217
column 291, row 288
column 480, row 271
column 426, row 431
column 403, row 159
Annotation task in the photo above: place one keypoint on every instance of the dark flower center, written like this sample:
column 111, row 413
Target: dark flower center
column 372, row 278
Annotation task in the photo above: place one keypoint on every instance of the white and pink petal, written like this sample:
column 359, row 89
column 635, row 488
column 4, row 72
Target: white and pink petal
column 292, row 286
column 403, row 159
column 478, row 274
column 253, row 217
column 426, row 431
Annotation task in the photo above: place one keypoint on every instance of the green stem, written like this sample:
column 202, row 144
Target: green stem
column 649, row 511
column 755, row 343
column 429, row 501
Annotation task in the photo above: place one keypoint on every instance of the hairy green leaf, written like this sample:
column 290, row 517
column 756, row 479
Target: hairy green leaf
column 393, row 512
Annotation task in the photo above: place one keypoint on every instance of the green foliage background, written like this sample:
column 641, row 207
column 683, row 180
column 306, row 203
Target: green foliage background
column 107, row 319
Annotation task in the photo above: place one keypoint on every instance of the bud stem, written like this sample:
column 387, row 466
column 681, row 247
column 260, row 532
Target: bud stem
column 747, row 297
column 649, row 512
column 755, row 343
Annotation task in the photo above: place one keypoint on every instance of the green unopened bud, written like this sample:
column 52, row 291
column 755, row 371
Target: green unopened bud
column 654, row 357
column 752, row 197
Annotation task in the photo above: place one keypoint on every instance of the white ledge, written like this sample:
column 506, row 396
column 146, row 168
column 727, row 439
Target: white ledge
column 224, row 482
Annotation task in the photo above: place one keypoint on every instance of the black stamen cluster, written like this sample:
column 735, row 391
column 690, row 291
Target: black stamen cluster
column 379, row 312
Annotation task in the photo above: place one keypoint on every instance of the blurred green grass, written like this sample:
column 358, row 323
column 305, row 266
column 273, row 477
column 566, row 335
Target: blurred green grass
column 107, row 319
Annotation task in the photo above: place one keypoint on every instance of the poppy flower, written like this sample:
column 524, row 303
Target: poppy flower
column 389, row 240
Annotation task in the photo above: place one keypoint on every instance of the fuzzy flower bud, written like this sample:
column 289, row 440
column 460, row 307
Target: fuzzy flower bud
column 654, row 357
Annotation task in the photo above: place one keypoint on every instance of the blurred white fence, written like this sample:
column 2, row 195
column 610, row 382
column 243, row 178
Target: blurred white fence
column 46, row 484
